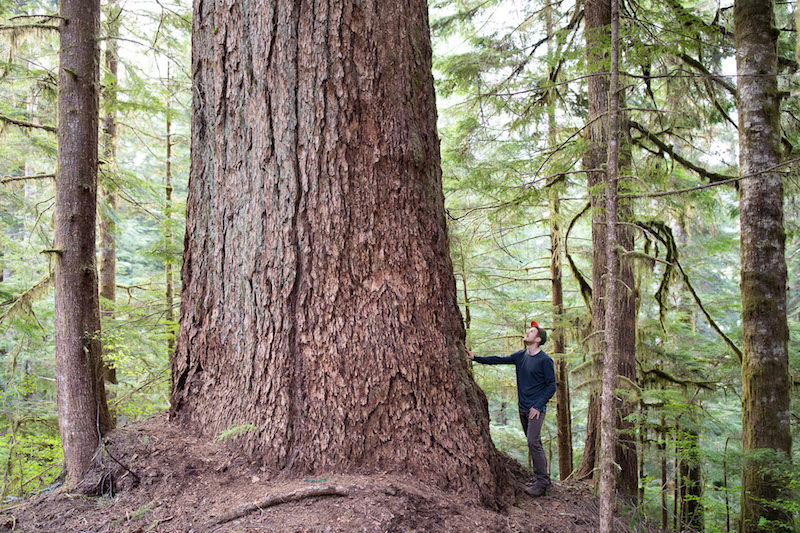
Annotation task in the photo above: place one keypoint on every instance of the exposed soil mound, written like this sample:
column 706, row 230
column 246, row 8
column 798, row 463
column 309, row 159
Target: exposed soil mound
column 164, row 480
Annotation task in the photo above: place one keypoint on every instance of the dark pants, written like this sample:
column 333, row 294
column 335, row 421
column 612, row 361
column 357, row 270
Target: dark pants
column 533, row 431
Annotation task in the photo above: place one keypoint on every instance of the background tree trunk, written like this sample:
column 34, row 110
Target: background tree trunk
column 597, row 25
column 563, row 412
column 691, row 489
column 319, row 302
column 608, row 408
column 626, row 453
column 169, row 293
column 766, row 384
column 597, row 20
column 107, row 196
column 77, row 316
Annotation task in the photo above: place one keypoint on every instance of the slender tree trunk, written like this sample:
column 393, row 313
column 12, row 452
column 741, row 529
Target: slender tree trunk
column 563, row 412
column 692, row 511
column 766, row 384
column 107, row 197
column 82, row 409
column 626, row 455
column 676, row 471
column 467, row 314
column 725, row 486
column 319, row 302
column 608, row 411
column 597, row 20
column 662, row 446
column 642, row 445
column 168, row 251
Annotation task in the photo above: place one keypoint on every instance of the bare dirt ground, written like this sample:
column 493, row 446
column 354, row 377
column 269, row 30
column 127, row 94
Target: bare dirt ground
column 166, row 481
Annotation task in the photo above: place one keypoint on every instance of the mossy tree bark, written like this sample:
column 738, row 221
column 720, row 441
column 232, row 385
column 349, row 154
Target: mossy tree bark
column 766, row 384
column 608, row 410
column 319, row 303
column 82, row 410
column 563, row 412
column 597, row 20
column 597, row 34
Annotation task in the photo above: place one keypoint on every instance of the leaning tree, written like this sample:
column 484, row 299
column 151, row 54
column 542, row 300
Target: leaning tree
column 319, row 308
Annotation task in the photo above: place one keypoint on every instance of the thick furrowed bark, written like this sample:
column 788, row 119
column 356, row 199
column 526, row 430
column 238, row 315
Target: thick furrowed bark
column 319, row 301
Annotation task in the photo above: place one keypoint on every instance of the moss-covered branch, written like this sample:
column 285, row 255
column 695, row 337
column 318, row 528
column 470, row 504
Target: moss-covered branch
column 670, row 150
column 24, row 124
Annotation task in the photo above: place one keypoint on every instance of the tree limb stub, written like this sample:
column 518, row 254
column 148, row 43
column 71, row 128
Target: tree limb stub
column 283, row 497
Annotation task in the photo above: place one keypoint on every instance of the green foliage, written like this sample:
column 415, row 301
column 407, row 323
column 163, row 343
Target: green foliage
column 153, row 40
column 234, row 431
column 512, row 118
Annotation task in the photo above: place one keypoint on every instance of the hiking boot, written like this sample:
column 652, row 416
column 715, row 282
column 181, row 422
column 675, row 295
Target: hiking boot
column 538, row 489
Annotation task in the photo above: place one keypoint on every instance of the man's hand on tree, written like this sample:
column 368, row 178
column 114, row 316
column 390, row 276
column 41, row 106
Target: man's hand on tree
column 469, row 354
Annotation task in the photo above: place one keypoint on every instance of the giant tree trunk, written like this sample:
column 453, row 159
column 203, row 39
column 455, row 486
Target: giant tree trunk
column 319, row 302
column 77, row 317
column 766, row 384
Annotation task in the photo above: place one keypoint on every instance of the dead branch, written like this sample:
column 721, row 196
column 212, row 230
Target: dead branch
column 277, row 499
column 18, row 27
column 23, row 124
column 11, row 179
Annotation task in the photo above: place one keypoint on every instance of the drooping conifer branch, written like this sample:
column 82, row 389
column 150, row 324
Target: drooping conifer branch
column 670, row 150
column 585, row 288
column 716, row 78
column 663, row 233
column 26, row 299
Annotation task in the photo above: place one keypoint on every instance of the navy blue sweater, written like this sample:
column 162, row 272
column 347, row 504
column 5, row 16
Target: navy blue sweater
column 536, row 377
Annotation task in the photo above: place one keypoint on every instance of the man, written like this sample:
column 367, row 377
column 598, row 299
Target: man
column 536, row 384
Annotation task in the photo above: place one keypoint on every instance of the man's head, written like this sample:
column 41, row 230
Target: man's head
column 536, row 335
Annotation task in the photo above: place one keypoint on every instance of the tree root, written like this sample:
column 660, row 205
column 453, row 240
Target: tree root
column 284, row 497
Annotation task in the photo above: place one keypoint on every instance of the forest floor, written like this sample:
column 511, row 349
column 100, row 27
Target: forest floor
column 186, row 484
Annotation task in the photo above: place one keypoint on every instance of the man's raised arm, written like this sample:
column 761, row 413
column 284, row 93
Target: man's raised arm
column 492, row 359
